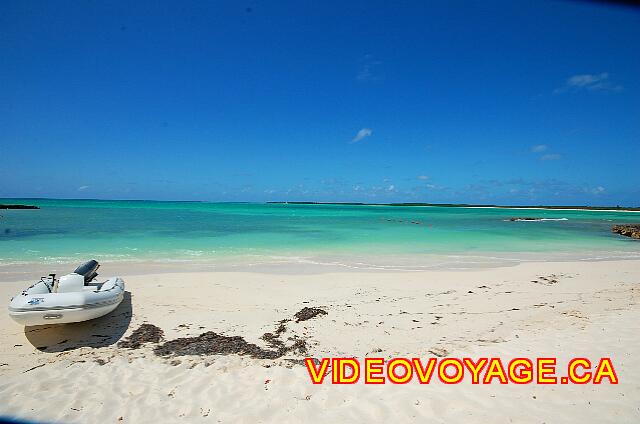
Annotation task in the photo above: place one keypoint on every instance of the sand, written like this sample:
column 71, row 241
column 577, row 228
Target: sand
column 77, row 372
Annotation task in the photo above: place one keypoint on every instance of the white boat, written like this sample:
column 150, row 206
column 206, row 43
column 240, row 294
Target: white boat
column 74, row 297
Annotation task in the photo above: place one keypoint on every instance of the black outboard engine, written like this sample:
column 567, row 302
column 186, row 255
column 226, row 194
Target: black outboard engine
column 88, row 270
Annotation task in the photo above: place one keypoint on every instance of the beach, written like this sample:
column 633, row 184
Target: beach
column 79, row 373
column 293, row 212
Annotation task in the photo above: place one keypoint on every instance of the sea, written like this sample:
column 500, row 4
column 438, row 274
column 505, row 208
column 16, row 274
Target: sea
column 360, row 236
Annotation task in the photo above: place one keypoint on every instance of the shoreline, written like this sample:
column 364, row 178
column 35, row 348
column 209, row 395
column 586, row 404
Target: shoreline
column 314, row 264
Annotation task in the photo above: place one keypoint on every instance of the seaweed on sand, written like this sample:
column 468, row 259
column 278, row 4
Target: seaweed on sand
column 308, row 313
column 146, row 333
column 211, row 343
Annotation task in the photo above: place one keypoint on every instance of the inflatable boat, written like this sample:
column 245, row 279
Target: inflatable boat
column 73, row 297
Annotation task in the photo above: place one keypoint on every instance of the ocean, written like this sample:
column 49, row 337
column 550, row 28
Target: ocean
column 75, row 230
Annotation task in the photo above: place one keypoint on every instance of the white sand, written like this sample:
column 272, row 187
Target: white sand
column 593, row 310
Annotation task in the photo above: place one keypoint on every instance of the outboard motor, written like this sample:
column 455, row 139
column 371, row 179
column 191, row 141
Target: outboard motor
column 88, row 270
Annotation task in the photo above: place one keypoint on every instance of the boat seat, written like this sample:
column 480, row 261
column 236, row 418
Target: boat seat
column 70, row 283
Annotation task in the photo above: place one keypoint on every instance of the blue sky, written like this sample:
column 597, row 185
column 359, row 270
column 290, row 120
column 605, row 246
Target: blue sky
column 486, row 102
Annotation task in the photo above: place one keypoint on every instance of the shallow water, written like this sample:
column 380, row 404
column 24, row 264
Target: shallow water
column 73, row 230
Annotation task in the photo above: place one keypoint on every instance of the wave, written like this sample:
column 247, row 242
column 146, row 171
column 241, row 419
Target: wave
column 534, row 219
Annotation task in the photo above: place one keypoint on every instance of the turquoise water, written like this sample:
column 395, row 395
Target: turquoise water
column 71, row 230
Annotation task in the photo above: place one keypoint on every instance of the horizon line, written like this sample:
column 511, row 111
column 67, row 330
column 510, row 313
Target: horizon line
column 408, row 204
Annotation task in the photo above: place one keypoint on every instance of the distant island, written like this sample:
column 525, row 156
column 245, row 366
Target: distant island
column 18, row 207
column 467, row 205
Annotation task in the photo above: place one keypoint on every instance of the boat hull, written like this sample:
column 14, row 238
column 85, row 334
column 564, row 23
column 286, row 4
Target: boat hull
column 59, row 316
column 60, row 308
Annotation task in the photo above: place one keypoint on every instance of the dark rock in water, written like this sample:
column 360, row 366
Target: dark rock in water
column 630, row 230
column 308, row 313
column 18, row 207
column 523, row 218
column 146, row 333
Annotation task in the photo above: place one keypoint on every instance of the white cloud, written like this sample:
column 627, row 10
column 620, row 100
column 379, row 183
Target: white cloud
column 541, row 148
column 83, row 188
column 586, row 80
column 423, row 177
column 391, row 188
column 589, row 82
column 362, row 134
column 369, row 69
column 551, row 156
column 598, row 190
